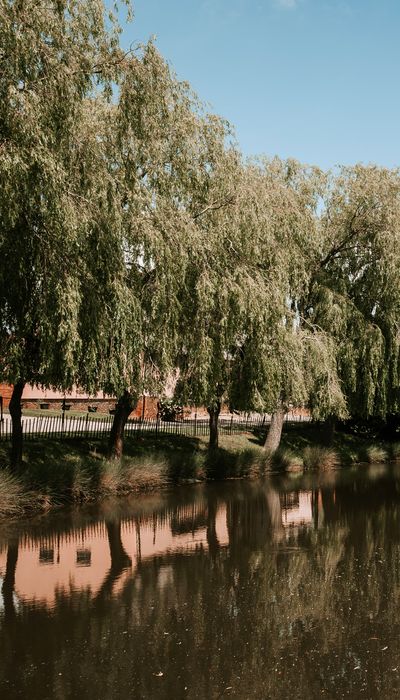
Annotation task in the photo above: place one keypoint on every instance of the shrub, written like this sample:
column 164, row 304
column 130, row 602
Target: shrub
column 169, row 410
column 320, row 458
column 82, row 485
column 144, row 475
column 111, row 478
column 286, row 460
column 14, row 499
column 375, row 454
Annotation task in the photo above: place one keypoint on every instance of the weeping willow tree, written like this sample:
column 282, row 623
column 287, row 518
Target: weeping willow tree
column 59, row 200
column 231, row 293
column 169, row 148
column 324, row 329
column 134, row 241
column 355, row 291
column 110, row 316
column 285, row 359
column 344, row 327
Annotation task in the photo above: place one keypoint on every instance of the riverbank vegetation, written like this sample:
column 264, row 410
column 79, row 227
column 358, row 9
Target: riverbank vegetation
column 56, row 473
column 139, row 249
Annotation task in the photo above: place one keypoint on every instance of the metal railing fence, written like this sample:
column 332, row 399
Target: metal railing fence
column 65, row 427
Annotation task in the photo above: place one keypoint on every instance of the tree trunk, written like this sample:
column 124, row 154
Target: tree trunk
column 273, row 439
column 16, row 413
column 329, row 431
column 213, row 412
column 124, row 407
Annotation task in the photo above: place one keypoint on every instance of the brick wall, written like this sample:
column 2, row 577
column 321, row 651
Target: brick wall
column 6, row 391
column 150, row 408
column 103, row 405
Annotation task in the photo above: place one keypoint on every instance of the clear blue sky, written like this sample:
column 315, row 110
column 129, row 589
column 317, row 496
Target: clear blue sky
column 317, row 80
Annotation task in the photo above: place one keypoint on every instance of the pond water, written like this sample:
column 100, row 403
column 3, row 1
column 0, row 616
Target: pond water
column 288, row 588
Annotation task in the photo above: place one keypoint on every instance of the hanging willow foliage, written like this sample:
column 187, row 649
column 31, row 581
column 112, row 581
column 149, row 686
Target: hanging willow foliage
column 136, row 244
column 355, row 295
column 59, row 203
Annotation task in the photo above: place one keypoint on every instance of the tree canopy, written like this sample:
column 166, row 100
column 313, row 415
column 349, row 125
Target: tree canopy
column 136, row 242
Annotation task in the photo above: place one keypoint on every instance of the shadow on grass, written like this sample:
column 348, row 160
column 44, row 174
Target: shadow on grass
column 135, row 446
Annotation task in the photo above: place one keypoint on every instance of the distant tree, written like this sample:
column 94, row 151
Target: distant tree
column 286, row 359
column 345, row 312
column 355, row 295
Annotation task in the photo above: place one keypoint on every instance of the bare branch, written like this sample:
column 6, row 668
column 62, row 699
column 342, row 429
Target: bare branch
column 214, row 206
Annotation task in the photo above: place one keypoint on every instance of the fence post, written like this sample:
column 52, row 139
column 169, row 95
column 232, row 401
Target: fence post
column 231, row 424
column 195, row 424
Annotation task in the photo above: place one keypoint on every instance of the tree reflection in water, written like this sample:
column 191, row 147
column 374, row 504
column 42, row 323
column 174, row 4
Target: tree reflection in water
column 277, row 589
column 7, row 588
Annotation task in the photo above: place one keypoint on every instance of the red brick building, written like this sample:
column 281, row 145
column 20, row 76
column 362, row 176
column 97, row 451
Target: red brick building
column 36, row 398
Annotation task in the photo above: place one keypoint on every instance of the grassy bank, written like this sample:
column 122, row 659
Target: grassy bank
column 75, row 470
column 304, row 443
column 59, row 472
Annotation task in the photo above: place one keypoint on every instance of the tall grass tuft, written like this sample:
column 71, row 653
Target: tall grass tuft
column 15, row 500
column 144, row 475
column 253, row 462
column 375, row 454
column 220, row 464
column 181, row 468
column 82, row 485
column 110, row 478
column 285, row 460
column 320, row 458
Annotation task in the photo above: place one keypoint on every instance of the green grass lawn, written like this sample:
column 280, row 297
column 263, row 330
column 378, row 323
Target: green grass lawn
column 57, row 451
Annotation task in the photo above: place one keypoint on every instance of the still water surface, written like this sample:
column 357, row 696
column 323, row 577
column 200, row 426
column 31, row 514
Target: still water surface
column 288, row 588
